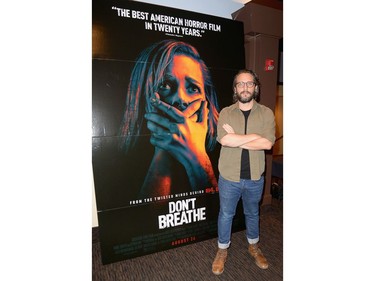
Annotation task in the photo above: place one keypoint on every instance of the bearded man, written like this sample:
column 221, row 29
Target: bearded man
column 245, row 130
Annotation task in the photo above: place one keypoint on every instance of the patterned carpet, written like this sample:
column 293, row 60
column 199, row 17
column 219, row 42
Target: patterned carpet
column 193, row 262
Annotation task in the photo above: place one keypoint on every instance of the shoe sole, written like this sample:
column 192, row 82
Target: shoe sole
column 217, row 273
column 261, row 267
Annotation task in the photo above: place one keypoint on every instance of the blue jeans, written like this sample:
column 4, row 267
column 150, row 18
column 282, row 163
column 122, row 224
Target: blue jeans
column 230, row 193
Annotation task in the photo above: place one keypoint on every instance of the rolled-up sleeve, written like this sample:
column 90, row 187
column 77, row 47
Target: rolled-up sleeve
column 269, row 125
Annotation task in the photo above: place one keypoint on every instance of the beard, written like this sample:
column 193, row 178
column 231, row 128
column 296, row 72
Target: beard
column 245, row 96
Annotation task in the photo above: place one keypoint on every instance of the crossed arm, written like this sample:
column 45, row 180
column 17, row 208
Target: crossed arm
column 250, row 141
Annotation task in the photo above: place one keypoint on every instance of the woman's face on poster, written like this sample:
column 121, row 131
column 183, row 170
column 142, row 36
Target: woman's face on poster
column 183, row 82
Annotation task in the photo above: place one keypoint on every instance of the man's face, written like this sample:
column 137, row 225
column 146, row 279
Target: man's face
column 183, row 82
column 243, row 89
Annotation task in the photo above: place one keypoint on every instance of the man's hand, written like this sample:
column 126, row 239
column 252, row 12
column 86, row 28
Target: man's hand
column 228, row 128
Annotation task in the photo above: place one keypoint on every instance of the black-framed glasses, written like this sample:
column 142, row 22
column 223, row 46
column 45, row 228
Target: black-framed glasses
column 248, row 84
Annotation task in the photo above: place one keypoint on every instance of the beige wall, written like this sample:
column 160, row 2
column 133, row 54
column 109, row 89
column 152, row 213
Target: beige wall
column 94, row 214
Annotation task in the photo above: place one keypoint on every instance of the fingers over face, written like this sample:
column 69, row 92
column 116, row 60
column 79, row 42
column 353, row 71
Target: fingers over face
column 158, row 119
column 203, row 112
column 174, row 114
column 193, row 108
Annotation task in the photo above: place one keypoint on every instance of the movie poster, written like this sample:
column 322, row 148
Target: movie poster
column 160, row 77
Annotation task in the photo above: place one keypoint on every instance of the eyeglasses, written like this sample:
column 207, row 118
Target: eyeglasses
column 249, row 84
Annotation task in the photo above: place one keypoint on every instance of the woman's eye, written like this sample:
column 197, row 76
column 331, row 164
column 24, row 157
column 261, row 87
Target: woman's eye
column 193, row 89
column 165, row 86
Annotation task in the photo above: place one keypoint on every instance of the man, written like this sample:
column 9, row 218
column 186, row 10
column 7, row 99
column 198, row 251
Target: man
column 245, row 130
